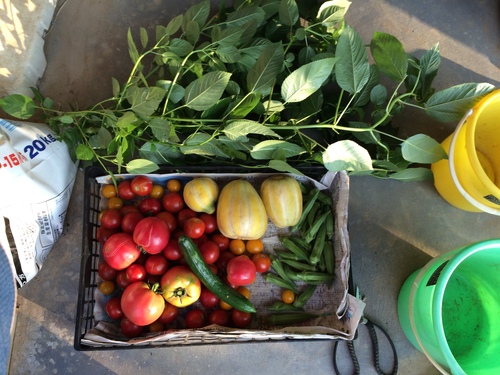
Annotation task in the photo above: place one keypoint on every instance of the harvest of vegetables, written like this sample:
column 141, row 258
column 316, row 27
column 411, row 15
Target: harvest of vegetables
column 166, row 266
column 274, row 83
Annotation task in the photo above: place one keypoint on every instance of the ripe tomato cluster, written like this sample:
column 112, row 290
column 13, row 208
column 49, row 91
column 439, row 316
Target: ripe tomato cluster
column 142, row 266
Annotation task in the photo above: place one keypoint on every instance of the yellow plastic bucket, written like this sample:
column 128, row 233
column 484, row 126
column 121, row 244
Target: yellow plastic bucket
column 470, row 178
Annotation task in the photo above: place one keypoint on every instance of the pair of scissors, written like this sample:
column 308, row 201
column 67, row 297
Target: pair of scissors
column 372, row 330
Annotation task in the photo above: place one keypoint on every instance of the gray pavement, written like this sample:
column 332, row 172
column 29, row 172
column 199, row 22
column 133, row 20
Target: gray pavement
column 395, row 228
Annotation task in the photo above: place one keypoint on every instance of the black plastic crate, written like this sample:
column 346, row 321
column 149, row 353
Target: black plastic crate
column 85, row 319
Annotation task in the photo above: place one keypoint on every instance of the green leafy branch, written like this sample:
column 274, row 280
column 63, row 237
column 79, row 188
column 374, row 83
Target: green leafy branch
column 266, row 83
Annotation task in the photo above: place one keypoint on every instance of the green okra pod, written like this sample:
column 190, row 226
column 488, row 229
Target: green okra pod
column 282, row 306
column 299, row 266
column 329, row 255
column 330, row 229
column 324, row 198
column 314, row 277
column 277, row 266
column 294, row 248
column 306, row 208
column 277, row 280
column 313, row 230
column 299, row 241
column 318, row 247
column 304, row 296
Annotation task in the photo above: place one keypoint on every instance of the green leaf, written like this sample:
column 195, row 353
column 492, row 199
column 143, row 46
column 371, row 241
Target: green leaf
column 362, row 98
column 347, row 155
column 66, row 119
column 262, row 75
column 332, row 12
column 84, row 152
column 451, row 104
column 239, row 129
column 116, row 87
column 18, row 106
column 242, row 16
column 202, row 144
column 378, row 95
column 288, row 12
column 104, row 137
column 305, row 80
column 180, row 47
column 127, row 123
column 144, row 37
column 413, row 174
column 144, row 101
column 132, row 49
column 174, row 24
column 267, row 149
column 228, row 54
column 273, row 106
column 246, row 105
column 421, row 148
column 159, row 153
column 368, row 137
column 141, row 166
column 176, row 92
column 352, row 69
column 283, row 166
column 227, row 37
column 388, row 53
column 192, row 32
column 198, row 13
column 161, row 128
column 205, row 91
column 429, row 65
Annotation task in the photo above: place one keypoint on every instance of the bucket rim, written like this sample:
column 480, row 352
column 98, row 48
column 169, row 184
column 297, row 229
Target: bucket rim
column 440, row 286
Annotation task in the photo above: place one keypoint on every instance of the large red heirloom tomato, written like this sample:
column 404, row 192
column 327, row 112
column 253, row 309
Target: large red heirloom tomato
column 151, row 234
column 180, row 286
column 120, row 251
column 141, row 304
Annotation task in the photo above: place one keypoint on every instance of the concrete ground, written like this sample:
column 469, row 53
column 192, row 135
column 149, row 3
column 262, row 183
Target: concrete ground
column 395, row 228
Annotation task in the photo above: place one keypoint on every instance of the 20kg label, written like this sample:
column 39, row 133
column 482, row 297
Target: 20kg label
column 31, row 151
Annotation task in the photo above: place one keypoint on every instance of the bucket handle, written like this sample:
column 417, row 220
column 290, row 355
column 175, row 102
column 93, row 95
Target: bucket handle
column 454, row 176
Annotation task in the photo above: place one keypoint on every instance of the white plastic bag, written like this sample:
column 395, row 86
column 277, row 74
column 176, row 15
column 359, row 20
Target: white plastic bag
column 36, row 180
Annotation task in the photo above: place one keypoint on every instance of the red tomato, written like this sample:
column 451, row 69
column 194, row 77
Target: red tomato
column 224, row 258
column 122, row 279
column 130, row 329
column 209, row 251
column 105, row 271
column 241, row 271
column 113, row 308
column 156, row 264
column 180, row 286
column 200, row 240
column 129, row 208
column 220, row 317
column 195, row 319
column 194, row 227
column 169, row 219
column 141, row 304
column 262, row 262
column 156, row 326
column 208, row 299
column 221, row 241
column 120, row 251
column 130, row 220
column 150, row 206
column 125, row 191
column 136, row 272
column 183, row 215
column 111, row 218
column 141, row 185
column 241, row 319
column 210, row 222
column 172, row 202
column 169, row 314
column 151, row 234
column 172, row 251
column 102, row 234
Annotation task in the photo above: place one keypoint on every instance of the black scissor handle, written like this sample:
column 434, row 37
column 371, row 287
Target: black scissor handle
column 372, row 330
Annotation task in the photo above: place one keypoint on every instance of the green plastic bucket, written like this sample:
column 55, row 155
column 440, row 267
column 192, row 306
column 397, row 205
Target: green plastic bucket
column 450, row 310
